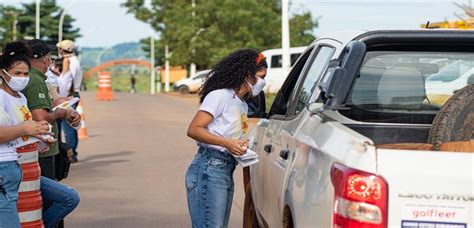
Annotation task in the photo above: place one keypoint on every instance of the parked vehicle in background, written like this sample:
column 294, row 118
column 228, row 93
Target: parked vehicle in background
column 275, row 76
column 192, row 84
column 442, row 85
column 353, row 140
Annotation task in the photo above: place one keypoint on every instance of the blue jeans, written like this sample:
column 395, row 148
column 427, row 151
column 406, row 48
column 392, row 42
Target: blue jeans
column 70, row 134
column 64, row 198
column 10, row 174
column 210, row 188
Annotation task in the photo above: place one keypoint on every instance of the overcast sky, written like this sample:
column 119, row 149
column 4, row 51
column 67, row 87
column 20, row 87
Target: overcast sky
column 104, row 23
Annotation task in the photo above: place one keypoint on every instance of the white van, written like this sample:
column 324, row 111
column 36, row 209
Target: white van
column 275, row 75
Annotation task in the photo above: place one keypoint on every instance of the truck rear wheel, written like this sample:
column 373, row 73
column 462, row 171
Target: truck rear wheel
column 455, row 120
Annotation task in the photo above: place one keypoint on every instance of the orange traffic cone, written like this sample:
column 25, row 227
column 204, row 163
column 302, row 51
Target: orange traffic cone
column 82, row 131
column 29, row 194
column 104, row 92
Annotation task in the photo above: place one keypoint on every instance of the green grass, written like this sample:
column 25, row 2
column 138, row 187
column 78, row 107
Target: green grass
column 269, row 98
column 121, row 82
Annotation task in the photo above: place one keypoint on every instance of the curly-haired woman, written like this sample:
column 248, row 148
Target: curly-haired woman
column 217, row 127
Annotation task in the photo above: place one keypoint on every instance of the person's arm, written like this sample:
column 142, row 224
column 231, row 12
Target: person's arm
column 197, row 130
column 43, row 114
column 31, row 128
column 66, row 65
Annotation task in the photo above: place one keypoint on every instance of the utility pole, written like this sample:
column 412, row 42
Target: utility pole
column 193, row 65
column 285, row 37
column 167, row 69
column 152, row 69
column 37, row 19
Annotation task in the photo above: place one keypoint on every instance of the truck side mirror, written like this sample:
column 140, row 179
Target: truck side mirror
column 257, row 106
column 338, row 80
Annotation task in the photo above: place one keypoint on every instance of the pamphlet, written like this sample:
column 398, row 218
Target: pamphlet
column 248, row 159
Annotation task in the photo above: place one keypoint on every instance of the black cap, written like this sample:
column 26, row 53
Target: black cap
column 39, row 48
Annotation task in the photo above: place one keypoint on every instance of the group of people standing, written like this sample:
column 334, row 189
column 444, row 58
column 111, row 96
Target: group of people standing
column 27, row 100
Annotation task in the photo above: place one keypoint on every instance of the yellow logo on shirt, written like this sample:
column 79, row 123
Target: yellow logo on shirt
column 244, row 123
column 26, row 115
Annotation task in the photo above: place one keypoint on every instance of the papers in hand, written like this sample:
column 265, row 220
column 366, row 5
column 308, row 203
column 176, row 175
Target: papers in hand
column 247, row 159
column 67, row 104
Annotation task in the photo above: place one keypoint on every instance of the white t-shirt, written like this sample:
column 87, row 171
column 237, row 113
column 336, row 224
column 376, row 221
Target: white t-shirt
column 13, row 111
column 75, row 68
column 230, row 115
column 65, row 83
column 52, row 78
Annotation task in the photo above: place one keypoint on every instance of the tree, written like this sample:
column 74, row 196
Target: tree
column 218, row 27
column 50, row 13
column 8, row 20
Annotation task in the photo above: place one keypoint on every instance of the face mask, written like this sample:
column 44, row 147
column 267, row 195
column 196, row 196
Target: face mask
column 16, row 83
column 258, row 87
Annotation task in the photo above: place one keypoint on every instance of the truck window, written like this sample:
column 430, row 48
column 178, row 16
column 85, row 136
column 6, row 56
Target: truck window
column 281, row 103
column 277, row 59
column 407, row 87
column 318, row 66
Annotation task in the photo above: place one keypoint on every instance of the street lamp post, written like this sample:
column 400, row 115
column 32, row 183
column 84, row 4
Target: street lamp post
column 167, row 69
column 152, row 68
column 193, row 65
column 37, row 19
column 61, row 20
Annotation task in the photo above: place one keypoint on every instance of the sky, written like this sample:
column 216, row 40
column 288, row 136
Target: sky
column 104, row 23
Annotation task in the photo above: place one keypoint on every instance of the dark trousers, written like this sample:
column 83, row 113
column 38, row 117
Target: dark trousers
column 47, row 167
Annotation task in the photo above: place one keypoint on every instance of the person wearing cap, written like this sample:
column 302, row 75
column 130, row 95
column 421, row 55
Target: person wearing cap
column 71, row 63
column 41, row 104
column 58, row 200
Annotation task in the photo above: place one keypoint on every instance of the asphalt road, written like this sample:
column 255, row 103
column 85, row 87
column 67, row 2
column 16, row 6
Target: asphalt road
column 131, row 168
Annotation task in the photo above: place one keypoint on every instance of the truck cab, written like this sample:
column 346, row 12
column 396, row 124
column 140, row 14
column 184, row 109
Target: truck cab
column 349, row 139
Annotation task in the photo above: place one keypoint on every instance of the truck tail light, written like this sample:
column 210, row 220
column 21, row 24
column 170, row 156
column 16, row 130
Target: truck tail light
column 361, row 198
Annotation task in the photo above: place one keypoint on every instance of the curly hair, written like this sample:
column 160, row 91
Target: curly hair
column 13, row 53
column 262, row 64
column 231, row 71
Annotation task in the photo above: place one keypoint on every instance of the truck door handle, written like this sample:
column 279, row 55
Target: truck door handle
column 284, row 154
column 268, row 148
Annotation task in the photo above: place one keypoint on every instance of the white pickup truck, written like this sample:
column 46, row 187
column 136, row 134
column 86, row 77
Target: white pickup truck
column 353, row 139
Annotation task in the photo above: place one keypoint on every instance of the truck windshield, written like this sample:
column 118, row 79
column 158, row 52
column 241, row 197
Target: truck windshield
column 409, row 82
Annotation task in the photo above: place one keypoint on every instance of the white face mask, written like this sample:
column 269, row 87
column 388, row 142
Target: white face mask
column 16, row 83
column 258, row 87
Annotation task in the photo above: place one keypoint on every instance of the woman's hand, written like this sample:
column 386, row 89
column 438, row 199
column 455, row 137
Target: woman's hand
column 35, row 129
column 236, row 146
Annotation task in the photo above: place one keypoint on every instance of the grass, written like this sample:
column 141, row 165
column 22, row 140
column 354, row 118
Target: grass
column 121, row 82
column 269, row 98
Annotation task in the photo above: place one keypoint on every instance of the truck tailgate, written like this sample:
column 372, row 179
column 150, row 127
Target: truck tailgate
column 428, row 189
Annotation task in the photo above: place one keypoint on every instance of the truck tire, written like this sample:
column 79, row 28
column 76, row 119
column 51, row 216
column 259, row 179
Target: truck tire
column 455, row 120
